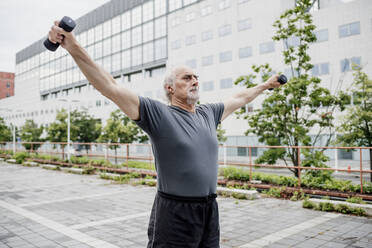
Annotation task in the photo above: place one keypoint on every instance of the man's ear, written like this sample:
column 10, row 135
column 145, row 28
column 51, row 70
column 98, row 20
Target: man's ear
column 170, row 89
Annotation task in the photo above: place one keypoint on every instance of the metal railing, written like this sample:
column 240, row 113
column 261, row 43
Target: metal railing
column 228, row 155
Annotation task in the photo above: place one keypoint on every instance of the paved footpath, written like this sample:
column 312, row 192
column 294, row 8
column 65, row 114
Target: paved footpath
column 42, row 208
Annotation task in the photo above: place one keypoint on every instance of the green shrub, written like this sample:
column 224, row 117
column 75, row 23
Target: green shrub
column 240, row 196
column 274, row 192
column 326, row 206
column 308, row 204
column 79, row 160
column 138, row 165
column 357, row 200
column 297, row 195
column 20, row 157
column 88, row 170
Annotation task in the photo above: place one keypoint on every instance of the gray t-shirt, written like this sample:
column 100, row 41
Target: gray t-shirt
column 185, row 146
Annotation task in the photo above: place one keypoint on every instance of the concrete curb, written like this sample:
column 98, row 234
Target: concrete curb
column 366, row 207
column 238, row 193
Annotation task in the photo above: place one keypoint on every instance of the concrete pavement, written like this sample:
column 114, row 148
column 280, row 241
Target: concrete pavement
column 43, row 208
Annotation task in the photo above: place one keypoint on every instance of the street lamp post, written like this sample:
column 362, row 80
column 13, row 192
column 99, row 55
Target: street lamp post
column 13, row 127
column 68, row 124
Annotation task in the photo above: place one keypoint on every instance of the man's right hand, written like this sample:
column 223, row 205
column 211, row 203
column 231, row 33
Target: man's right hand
column 66, row 39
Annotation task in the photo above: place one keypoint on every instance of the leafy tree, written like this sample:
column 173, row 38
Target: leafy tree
column 119, row 128
column 30, row 132
column 289, row 114
column 5, row 132
column 356, row 126
column 57, row 131
column 221, row 134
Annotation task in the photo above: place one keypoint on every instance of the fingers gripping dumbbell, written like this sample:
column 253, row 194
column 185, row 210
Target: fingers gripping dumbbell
column 282, row 80
column 66, row 24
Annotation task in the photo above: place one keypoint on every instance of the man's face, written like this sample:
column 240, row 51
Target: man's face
column 186, row 86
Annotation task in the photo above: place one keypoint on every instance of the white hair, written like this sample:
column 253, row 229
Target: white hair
column 170, row 79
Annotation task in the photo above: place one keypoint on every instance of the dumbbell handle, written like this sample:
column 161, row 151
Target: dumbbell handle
column 282, row 80
column 66, row 24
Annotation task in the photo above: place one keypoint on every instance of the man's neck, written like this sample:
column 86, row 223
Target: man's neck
column 184, row 106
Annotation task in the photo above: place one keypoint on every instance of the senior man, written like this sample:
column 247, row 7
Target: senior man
column 184, row 142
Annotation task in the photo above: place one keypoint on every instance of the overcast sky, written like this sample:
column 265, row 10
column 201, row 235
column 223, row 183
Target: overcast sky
column 25, row 21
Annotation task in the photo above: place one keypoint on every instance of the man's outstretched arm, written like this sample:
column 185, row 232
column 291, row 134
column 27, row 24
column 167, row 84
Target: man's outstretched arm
column 245, row 96
column 127, row 101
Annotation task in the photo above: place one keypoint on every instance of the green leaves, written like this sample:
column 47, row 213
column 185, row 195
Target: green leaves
column 5, row 132
column 32, row 133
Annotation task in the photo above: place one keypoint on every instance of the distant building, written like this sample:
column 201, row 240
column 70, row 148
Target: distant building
column 6, row 84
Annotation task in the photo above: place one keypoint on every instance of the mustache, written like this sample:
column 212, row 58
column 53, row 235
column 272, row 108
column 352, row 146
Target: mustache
column 194, row 88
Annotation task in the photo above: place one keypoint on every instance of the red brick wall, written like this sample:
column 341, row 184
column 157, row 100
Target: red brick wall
column 5, row 78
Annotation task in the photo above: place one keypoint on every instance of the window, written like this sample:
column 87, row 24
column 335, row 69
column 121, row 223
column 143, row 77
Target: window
column 345, row 154
column 267, row 47
column 226, row 83
column 106, row 47
column 148, row 52
column 190, row 40
column 293, row 41
column 116, row 60
column 125, row 40
column 98, row 50
column 244, row 24
column 190, row 16
column 175, row 21
column 98, row 103
column 8, row 84
column 137, row 56
column 208, row 86
column 346, row 64
column 207, row 35
column 191, row 63
column 160, row 27
column 160, row 7
column 116, row 22
column 224, row 30
column 99, row 32
column 224, row 4
column 137, row 16
column 125, row 59
column 225, row 56
column 148, row 11
column 289, row 73
column 175, row 4
column 107, row 29
column 148, row 31
column 116, row 43
column 349, row 29
column 176, row 44
column 137, row 36
column 207, row 10
column 207, row 60
column 321, row 35
column 125, row 21
column 245, row 52
column 160, row 49
column 320, row 69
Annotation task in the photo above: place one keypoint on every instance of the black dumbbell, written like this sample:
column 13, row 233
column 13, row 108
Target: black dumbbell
column 66, row 24
column 282, row 80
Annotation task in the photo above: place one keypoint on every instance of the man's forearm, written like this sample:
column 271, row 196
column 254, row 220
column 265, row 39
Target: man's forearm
column 250, row 94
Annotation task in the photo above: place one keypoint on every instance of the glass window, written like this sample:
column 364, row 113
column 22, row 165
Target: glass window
column 223, row 4
column 83, row 39
column 208, row 86
column 324, row 69
column 160, row 49
column 116, row 25
column 175, row 21
column 190, row 16
column 160, row 27
column 245, row 52
column 226, row 83
column 116, row 62
column 190, row 40
column 125, row 21
column 206, row 10
column 207, row 60
column 99, row 32
column 346, row 64
column 176, row 44
column 293, row 41
column 116, row 43
column 98, row 49
column 160, row 7
column 349, row 29
column 174, row 4
column 225, row 56
column 137, row 56
column 137, row 36
column 107, row 63
column 125, row 40
column 207, row 35
column 8, row 84
column 148, row 52
column 148, row 31
column 191, row 63
column 107, row 29
column 321, row 35
column 267, row 47
column 224, row 30
column 106, row 47
column 148, row 11
column 244, row 24
column 125, row 59
column 90, row 36
column 137, row 15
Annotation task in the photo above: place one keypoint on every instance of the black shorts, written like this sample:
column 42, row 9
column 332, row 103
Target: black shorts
column 184, row 222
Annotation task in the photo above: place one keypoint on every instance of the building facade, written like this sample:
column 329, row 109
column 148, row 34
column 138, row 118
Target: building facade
column 6, row 84
column 136, row 41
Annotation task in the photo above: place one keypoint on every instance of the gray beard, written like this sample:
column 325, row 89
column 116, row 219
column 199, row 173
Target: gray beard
column 192, row 97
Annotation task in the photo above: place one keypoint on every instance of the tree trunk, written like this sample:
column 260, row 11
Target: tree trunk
column 116, row 158
column 370, row 164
